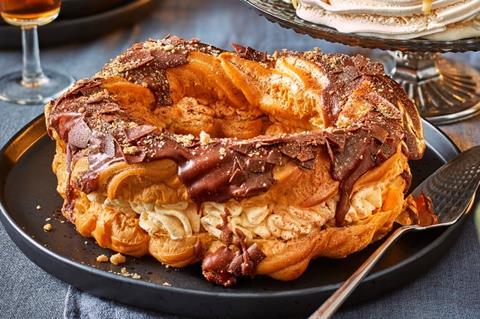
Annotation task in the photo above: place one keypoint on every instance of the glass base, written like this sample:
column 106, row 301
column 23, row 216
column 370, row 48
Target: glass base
column 54, row 84
column 444, row 91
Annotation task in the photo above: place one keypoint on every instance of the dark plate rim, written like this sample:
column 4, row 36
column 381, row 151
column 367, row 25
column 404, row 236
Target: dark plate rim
column 40, row 120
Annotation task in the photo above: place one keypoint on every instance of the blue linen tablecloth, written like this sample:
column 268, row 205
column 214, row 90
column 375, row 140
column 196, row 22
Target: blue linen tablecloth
column 449, row 290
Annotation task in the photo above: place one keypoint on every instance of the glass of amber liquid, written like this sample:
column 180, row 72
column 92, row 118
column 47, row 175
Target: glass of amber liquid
column 31, row 85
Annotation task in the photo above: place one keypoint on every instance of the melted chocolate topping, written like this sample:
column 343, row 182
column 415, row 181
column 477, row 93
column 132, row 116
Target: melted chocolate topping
column 249, row 53
column 146, row 63
column 226, row 264
column 92, row 123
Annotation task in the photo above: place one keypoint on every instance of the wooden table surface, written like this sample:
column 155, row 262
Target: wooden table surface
column 465, row 134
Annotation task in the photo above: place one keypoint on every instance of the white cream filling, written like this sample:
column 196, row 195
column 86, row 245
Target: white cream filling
column 368, row 19
column 381, row 7
column 183, row 219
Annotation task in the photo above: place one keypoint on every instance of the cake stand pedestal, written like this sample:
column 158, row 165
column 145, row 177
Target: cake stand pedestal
column 443, row 90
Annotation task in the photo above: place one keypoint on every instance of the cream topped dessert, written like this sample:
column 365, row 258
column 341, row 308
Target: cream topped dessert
column 396, row 19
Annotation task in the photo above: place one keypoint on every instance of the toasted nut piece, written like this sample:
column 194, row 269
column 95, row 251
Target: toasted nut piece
column 102, row 258
column 118, row 259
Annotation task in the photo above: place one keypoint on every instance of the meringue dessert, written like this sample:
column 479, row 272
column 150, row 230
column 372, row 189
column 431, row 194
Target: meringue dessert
column 396, row 19
column 248, row 163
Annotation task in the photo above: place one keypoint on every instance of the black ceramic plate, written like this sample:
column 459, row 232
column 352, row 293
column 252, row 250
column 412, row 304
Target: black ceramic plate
column 64, row 31
column 26, row 181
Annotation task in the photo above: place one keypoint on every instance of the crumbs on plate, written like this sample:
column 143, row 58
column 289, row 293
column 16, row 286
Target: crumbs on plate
column 47, row 227
column 102, row 258
column 118, row 259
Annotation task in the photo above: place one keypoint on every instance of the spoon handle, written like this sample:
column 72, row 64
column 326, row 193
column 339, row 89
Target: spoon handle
column 330, row 306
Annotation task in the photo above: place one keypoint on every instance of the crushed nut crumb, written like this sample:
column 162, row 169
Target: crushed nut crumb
column 47, row 227
column 204, row 138
column 124, row 272
column 38, row 207
column 131, row 150
column 168, row 47
column 167, row 284
column 102, row 258
column 222, row 151
column 118, row 259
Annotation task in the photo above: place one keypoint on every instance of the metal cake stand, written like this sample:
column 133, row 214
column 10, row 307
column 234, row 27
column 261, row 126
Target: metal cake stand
column 445, row 91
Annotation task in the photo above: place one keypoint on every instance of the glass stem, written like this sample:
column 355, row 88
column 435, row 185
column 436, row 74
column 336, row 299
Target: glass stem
column 32, row 74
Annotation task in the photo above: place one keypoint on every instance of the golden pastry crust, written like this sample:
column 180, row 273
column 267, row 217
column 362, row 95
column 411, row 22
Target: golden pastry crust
column 189, row 153
column 118, row 229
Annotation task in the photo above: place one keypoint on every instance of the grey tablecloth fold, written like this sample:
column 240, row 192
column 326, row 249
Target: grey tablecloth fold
column 80, row 305
column 450, row 290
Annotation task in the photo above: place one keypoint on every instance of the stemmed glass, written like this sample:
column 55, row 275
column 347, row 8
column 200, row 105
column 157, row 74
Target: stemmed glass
column 31, row 85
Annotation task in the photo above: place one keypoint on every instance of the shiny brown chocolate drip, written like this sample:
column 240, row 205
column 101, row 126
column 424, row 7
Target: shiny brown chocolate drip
column 215, row 267
column 224, row 265
column 230, row 168
column 198, row 250
column 249, row 53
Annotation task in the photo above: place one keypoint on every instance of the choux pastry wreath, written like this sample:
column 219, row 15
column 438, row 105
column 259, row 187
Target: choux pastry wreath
column 249, row 163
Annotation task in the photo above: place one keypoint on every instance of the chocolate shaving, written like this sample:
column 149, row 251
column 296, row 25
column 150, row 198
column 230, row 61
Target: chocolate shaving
column 80, row 134
column 198, row 250
column 134, row 58
column 135, row 133
column 291, row 149
column 249, row 53
column 227, row 235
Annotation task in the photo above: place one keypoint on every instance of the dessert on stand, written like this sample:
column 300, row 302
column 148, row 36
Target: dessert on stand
column 415, row 32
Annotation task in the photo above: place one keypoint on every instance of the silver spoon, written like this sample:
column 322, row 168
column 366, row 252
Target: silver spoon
column 452, row 190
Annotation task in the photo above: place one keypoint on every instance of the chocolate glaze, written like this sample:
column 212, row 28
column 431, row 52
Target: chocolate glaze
column 146, row 63
column 233, row 260
column 249, row 53
column 93, row 123
column 215, row 267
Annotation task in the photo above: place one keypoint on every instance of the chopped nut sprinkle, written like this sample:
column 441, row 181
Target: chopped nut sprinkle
column 131, row 150
column 102, row 258
column 118, row 259
column 124, row 272
column 47, row 227
column 204, row 138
